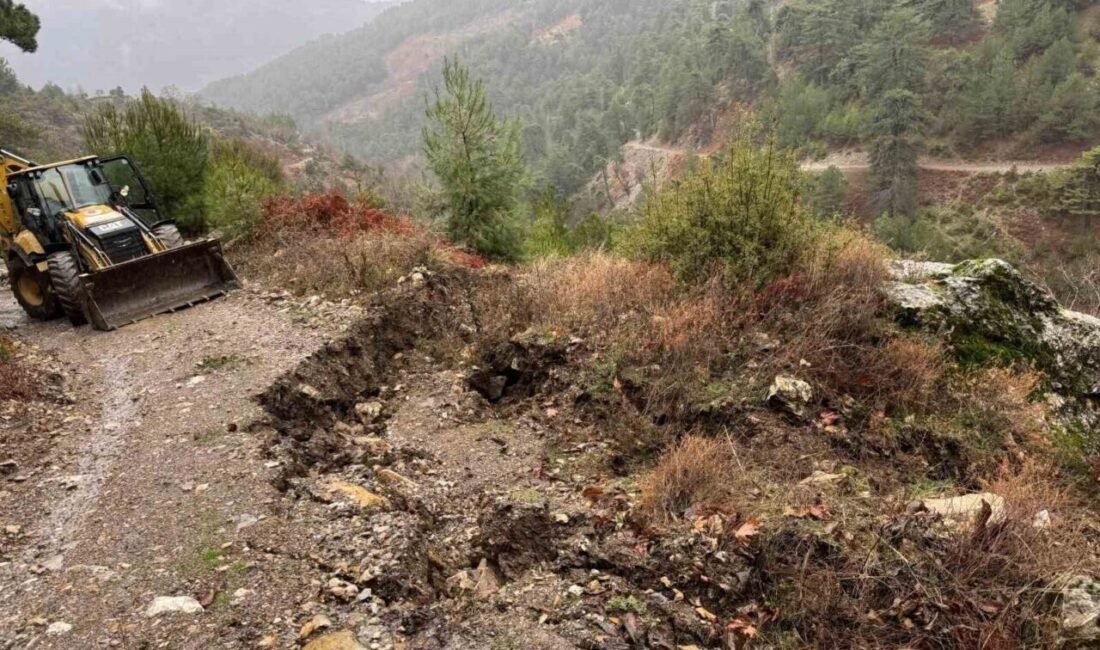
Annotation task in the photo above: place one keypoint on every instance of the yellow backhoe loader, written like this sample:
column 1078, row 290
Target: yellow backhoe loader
column 85, row 239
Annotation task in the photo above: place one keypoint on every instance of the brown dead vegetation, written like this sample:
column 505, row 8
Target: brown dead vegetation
column 699, row 471
column 325, row 244
column 17, row 382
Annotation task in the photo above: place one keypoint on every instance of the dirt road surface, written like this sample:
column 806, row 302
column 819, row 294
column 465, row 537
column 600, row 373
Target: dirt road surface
column 147, row 484
column 855, row 162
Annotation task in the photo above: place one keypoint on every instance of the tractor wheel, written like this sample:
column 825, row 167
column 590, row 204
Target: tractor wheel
column 65, row 275
column 33, row 291
column 169, row 234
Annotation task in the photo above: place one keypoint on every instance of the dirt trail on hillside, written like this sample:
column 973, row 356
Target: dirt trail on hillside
column 293, row 480
column 855, row 162
column 148, row 484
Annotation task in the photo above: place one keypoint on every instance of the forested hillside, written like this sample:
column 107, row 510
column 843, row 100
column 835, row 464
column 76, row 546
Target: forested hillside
column 584, row 77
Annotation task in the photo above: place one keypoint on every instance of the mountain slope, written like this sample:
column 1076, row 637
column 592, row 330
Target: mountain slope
column 586, row 77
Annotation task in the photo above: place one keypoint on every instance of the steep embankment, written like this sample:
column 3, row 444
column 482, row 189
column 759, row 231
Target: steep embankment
column 407, row 487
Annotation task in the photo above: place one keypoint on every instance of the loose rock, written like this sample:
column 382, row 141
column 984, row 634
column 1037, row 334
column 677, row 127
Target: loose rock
column 790, row 395
column 172, row 605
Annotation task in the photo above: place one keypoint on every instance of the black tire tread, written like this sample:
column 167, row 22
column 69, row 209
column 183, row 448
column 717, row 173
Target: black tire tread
column 65, row 277
column 50, row 308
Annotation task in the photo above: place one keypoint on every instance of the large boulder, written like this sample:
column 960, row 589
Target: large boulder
column 990, row 312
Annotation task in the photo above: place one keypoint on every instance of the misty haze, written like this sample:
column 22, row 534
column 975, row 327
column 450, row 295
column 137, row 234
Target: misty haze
column 103, row 44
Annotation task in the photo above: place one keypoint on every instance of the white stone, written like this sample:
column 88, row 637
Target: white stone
column 59, row 628
column 172, row 605
column 963, row 509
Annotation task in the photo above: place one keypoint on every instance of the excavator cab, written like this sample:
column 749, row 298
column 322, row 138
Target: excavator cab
column 86, row 239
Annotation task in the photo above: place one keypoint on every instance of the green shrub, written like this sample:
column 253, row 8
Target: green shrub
column 828, row 192
column 549, row 233
column 947, row 234
column 240, row 177
column 740, row 217
column 171, row 150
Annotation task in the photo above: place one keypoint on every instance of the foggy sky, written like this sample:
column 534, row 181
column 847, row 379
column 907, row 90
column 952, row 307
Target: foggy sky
column 101, row 44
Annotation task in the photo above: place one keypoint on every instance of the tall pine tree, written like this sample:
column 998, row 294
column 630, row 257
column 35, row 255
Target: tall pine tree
column 478, row 161
column 896, row 129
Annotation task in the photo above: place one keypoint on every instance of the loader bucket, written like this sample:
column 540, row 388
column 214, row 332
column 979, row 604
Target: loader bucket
column 156, row 284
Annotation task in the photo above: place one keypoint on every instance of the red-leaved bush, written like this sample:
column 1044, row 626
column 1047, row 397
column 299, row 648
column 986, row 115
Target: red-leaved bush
column 329, row 213
column 364, row 248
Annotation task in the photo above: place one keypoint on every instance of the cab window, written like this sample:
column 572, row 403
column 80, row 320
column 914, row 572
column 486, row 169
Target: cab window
column 54, row 195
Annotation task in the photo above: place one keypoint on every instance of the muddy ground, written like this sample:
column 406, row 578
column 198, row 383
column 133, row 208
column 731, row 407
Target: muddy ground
column 295, row 473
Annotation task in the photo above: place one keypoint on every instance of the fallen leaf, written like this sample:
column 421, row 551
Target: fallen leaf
column 743, row 628
column 593, row 493
column 706, row 614
column 748, row 530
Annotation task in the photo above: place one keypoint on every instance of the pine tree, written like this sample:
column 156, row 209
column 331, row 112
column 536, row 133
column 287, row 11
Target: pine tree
column 171, row 150
column 895, row 56
column 18, row 25
column 896, row 129
column 1080, row 191
column 478, row 162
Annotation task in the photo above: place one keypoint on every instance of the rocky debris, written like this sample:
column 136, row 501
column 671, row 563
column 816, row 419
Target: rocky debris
column 315, row 624
column 520, row 367
column 173, row 605
column 988, row 303
column 790, row 395
column 346, row 373
column 369, row 412
column 362, row 497
column 342, row 589
column 59, row 628
column 514, row 536
column 965, row 510
column 418, row 277
column 314, row 312
column 344, row 640
column 1081, row 610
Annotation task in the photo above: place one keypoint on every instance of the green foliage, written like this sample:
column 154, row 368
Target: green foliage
column 18, row 25
column 740, row 217
column 896, row 129
column 1079, row 189
column 947, row 234
column 976, row 351
column 641, row 69
column 951, row 18
column 238, row 180
column 478, row 163
column 549, row 233
column 894, row 55
column 626, row 604
column 828, row 192
column 551, row 236
column 171, row 150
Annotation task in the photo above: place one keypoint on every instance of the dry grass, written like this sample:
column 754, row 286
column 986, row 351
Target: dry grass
column 595, row 291
column 997, row 405
column 338, row 267
column 17, row 382
column 921, row 584
column 698, row 472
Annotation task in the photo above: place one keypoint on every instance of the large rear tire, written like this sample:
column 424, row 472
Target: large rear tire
column 169, row 235
column 65, row 276
column 32, row 290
